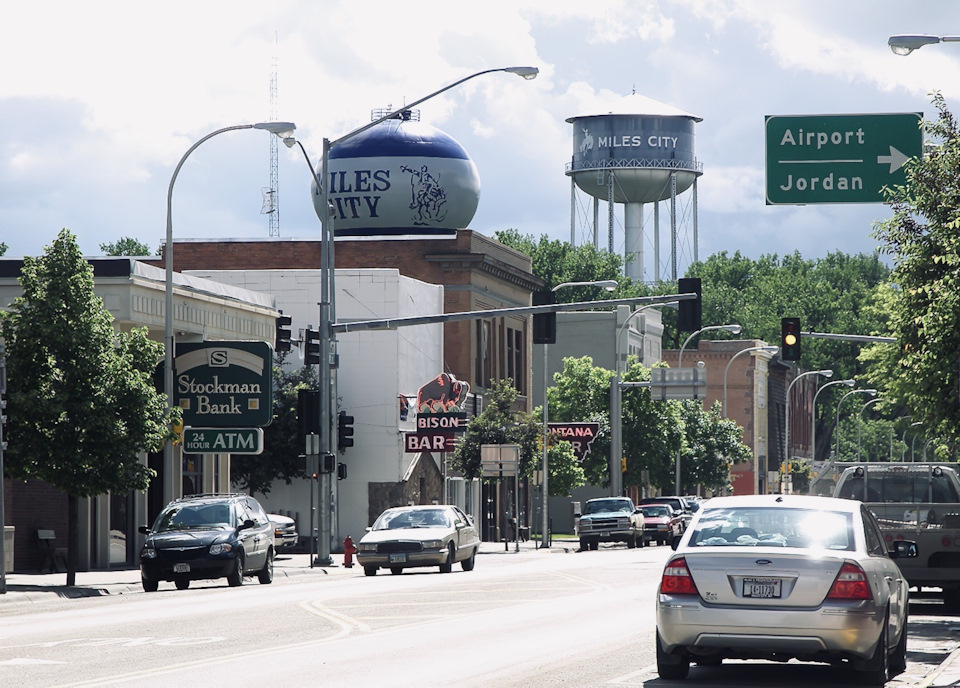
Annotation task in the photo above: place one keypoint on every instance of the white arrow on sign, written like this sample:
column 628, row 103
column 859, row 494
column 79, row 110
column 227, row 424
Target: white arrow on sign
column 896, row 159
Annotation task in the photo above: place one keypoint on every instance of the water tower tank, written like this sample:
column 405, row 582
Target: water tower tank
column 635, row 151
column 401, row 176
column 643, row 141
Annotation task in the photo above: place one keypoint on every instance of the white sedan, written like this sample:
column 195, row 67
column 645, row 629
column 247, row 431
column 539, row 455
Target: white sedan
column 412, row 536
column 784, row 576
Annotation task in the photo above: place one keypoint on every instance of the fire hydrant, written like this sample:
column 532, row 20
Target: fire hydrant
column 349, row 549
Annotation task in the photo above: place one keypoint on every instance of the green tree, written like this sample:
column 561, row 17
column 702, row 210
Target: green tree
column 711, row 445
column 126, row 247
column 500, row 424
column 82, row 402
column 923, row 307
column 280, row 459
column 839, row 294
column 3, row 248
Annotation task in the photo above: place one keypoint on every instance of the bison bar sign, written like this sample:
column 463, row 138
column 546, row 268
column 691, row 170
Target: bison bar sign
column 414, row 442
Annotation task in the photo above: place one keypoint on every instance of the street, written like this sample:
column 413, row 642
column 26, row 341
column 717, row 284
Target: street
column 533, row 618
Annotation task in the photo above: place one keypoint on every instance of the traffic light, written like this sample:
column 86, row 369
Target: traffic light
column 311, row 344
column 690, row 310
column 623, row 465
column 544, row 324
column 341, row 471
column 282, row 340
column 344, row 431
column 308, row 411
column 790, row 339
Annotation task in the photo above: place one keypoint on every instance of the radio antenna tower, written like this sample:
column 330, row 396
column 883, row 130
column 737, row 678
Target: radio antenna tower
column 271, row 200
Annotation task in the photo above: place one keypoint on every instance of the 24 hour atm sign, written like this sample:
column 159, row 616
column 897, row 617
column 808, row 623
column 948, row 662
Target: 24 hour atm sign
column 838, row 158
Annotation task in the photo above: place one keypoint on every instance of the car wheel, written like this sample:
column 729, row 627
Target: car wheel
column 266, row 573
column 369, row 570
column 878, row 666
column 594, row 545
column 448, row 566
column 671, row 667
column 471, row 561
column 235, row 577
column 182, row 583
column 150, row 585
column 898, row 663
column 396, row 570
column 584, row 544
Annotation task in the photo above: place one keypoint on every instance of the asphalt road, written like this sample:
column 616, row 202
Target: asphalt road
column 533, row 618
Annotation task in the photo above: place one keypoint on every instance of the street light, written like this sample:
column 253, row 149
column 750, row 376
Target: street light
column 813, row 411
column 904, row 44
column 327, row 279
column 734, row 329
column 903, row 440
column 860, row 420
column 608, row 285
column 616, row 421
column 826, row 372
column 767, row 349
column 871, row 392
column 280, row 129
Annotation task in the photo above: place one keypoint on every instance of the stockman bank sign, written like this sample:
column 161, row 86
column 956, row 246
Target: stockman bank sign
column 224, row 384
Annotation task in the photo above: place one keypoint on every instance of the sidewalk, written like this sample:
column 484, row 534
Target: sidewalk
column 40, row 587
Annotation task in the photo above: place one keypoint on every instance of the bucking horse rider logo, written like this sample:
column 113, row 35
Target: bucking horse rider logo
column 427, row 198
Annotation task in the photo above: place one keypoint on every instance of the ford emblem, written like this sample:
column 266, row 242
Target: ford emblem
column 763, row 562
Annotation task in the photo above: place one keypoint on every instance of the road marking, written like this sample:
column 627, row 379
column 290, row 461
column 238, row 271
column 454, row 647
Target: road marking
column 26, row 661
column 642, row 674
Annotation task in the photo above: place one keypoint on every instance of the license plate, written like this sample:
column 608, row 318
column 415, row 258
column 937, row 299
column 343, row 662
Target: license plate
column 181, row 568
column 764, row 588
column 398, row 558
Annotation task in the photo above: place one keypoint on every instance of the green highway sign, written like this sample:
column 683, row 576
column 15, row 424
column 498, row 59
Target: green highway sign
column 838, row 158
column 222, row 440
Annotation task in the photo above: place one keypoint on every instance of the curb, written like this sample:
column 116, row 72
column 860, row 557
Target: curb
column 946, row 666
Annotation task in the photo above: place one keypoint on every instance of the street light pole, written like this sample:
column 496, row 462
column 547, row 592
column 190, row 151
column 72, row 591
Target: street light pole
column 280, row 129
column 871, row 392
column 616, row 405
column 813, row 411
column 327, row 338
column 608, row 285
column 826, row 372
column 767, row 349
column 733, row 328
column 903, row 440
column 860, row 421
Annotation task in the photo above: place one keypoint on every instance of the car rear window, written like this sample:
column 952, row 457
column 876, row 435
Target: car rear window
column 903, row 485
column 774, row 527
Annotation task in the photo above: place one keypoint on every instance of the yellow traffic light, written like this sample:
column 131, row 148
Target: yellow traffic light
column 623, row 465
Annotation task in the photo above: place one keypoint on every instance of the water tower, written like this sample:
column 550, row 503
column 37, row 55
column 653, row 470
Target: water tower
column 401, row 177
column 638, row 151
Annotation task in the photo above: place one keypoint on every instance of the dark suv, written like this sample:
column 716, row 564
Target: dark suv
column 208, row 536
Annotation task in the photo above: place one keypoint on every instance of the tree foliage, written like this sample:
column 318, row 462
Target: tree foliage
column 82, row 402
column 498, row 423
column 280, row 458
column 126, row 246
column 923, row 307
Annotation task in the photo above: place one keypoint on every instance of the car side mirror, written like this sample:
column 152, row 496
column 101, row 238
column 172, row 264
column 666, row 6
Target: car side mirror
column 904, row 549
column 246, row 524
column 144, row 530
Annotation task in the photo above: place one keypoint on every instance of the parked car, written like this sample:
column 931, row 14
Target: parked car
column 660, row 523
column 207, row 537
column 610, row 519
column 782, row 577
column 412, row 536
column 679, row 505
column 285, row 534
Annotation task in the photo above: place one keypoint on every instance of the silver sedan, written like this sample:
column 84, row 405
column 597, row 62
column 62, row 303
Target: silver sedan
column 409, row 536
column 784, row 576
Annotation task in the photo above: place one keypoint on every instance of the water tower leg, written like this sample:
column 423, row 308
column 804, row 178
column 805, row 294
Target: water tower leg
column 573, row 211
column 656, row 241
column 673, row 225
column 696, row 237
column 633, row 241
column 596, row 222
column 610, row 213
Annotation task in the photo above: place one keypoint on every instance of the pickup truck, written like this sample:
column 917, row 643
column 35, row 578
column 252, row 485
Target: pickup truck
column 610, row 519
column 919, row 502
column 679, row 504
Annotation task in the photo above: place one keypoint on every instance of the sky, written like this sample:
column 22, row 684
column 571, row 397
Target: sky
column 100, row 100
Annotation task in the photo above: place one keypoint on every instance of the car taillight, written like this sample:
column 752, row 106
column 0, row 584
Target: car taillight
column 851, row 584
column 677, row 580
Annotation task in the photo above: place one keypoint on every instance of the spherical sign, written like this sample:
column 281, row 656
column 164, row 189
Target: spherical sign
column 401, row 177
